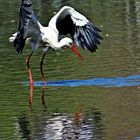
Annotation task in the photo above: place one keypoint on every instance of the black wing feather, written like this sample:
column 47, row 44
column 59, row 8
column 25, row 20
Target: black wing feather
column 86, row 36
column 64, row 25
column 24, row 16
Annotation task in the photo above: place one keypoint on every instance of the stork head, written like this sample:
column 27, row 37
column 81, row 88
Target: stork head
column 69, row 42
column 65, row 42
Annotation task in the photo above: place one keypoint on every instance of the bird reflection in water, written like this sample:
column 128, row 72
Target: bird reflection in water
column 59, row 126
column 23, row 128
column 78, row 115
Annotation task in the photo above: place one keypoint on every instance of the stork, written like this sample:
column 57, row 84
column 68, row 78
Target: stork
column 83, row 33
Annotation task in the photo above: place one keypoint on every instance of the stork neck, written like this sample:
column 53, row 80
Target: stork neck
column 61, row 43
column 50, row 36
column 55, row 44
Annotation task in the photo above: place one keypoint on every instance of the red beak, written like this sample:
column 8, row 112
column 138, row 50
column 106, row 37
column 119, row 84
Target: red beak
column 73, row 48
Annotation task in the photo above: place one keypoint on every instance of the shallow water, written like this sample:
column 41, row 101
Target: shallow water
column 94, row 99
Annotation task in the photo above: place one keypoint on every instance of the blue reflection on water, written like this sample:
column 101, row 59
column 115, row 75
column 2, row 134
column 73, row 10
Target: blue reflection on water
column 137, row 138
column 133, row 80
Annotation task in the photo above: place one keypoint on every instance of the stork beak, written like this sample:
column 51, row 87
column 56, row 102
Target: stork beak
column 73, row 48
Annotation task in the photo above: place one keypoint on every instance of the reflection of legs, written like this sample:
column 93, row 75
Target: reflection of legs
column 31, row 95
column 29, row 70
column 42, row 98
column 78, row 115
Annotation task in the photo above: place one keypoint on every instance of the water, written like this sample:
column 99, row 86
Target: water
column 94, row 99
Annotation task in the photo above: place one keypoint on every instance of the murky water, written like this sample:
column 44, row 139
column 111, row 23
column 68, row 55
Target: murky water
column 94, row 99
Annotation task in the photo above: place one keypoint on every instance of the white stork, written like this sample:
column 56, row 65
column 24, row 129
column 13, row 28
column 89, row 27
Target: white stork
column 67, row 21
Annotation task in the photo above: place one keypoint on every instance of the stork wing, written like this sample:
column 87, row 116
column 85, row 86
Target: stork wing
column 83, row 32
column 27, row 25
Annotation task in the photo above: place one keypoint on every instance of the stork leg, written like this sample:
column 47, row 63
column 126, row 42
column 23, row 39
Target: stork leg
column 41, row 68
column 29, row 70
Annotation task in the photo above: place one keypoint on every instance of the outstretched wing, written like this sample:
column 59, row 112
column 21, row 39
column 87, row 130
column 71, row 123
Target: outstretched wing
column 83, row 32
column 27, row 25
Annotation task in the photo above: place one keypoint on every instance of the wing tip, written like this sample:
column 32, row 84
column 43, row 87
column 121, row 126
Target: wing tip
column 92, row 37
column 19, row 43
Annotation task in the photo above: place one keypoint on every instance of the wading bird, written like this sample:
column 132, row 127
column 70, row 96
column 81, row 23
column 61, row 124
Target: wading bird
column 67, row 21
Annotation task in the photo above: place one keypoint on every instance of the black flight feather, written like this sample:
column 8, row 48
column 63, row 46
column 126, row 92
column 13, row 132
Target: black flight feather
column 24, row 16
column 85, row 35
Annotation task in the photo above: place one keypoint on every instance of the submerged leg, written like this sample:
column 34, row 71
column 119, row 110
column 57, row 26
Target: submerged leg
column 29, row 70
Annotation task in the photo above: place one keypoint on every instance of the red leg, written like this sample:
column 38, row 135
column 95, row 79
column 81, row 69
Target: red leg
column 29, row 70
column 41, row 69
